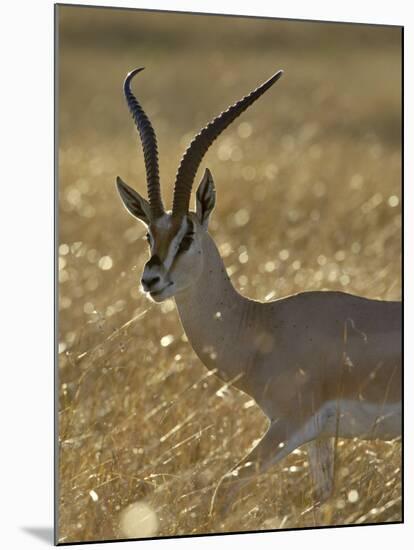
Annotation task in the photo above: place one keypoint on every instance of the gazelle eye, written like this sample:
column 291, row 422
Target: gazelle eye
column 186, row 242
column 148, row 239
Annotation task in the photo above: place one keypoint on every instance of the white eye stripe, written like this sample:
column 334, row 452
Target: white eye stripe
column 175, row 243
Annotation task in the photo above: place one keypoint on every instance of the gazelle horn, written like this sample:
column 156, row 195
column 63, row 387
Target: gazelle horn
column 149, row 146
column 201, row 143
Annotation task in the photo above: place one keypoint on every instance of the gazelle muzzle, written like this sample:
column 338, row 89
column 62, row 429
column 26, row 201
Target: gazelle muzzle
column 154, row 278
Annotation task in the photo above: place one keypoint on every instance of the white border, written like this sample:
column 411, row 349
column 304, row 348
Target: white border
column 27, row 266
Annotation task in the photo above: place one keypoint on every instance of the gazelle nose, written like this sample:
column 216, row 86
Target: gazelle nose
column 148, row 282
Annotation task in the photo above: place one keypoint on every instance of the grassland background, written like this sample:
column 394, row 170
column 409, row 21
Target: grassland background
column 308, row 197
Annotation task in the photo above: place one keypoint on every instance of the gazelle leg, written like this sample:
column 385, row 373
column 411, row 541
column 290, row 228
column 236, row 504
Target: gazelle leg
column 274, row 446
column 321, row 454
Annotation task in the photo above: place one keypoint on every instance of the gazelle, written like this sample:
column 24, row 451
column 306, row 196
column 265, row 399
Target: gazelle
column 320, row 365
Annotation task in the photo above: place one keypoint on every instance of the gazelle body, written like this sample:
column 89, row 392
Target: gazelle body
column 320, row 365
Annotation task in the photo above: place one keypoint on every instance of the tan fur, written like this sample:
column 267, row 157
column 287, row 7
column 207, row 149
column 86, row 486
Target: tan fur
column 303, row 359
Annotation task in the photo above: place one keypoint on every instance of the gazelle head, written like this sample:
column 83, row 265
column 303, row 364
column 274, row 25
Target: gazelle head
column 175, row 238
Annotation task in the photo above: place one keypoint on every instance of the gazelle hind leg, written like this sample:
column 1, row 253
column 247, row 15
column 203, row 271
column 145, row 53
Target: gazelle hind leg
column 275, row 445
column 321, row 455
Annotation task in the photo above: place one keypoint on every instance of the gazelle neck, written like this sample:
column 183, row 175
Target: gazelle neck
column 213, row 314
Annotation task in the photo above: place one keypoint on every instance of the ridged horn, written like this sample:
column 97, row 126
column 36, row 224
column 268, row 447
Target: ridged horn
column 149, row 146
column 198, row 147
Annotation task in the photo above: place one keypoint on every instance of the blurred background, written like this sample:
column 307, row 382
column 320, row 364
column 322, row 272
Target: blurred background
column 308, row 197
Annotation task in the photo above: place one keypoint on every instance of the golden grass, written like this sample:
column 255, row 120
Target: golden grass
column 308, row 197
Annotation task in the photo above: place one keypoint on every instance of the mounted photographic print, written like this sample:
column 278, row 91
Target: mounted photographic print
column 229, row 235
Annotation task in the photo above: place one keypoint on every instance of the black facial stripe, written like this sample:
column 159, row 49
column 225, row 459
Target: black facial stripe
column 185, row 243
column 187, row 240
column 190, row 226
column 154, row 261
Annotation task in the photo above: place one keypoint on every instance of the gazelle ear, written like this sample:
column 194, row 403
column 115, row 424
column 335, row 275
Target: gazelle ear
column 133, row 202
column 205, row 198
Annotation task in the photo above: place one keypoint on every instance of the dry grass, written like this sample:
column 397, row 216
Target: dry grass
column 308, row 185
